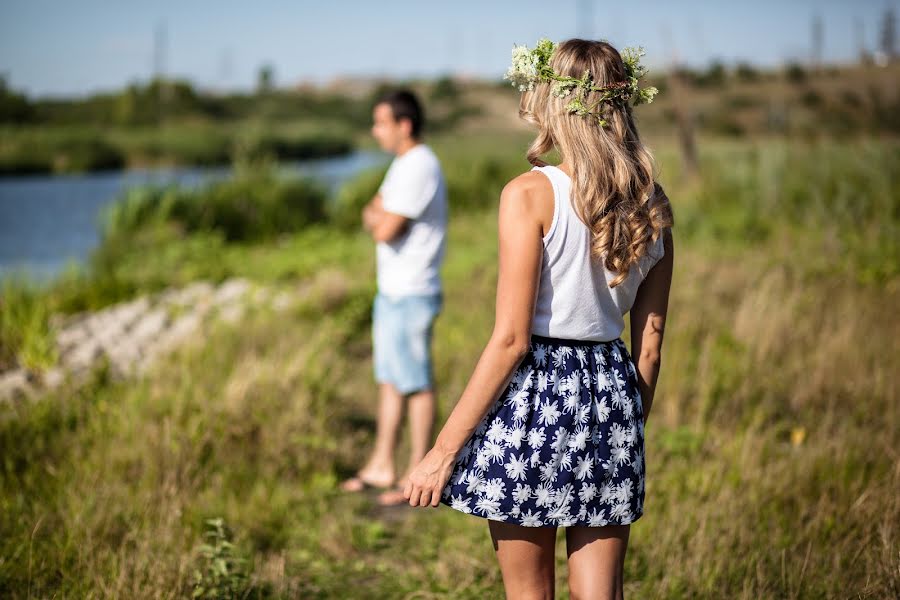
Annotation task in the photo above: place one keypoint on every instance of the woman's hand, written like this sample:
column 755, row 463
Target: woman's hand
column 427, row 481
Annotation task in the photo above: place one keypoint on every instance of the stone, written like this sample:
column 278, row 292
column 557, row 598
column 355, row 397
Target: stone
column 231, row 290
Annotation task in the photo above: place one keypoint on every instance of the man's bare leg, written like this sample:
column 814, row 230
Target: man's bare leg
column 422, row 407
column 379, row 469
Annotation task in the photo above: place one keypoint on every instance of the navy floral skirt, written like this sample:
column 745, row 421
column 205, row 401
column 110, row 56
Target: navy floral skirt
column 563, row 445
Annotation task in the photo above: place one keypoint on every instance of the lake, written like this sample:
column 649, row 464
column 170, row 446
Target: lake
column 49, row 220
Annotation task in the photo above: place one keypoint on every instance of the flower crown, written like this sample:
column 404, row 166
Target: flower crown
column 532, row 66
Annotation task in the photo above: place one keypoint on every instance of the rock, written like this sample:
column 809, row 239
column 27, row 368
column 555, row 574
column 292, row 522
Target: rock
column 283, row 300
column 53, row 377
column 232, row 313
column 150, row 326
column 231, row 290
column 189, row 295
column 83, row 356
column 14, row 384
column 71, row 336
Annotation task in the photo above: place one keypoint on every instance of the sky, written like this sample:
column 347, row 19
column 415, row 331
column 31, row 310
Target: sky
column 78, row 47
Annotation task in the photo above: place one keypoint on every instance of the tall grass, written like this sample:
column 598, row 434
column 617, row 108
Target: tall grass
column 771, row 447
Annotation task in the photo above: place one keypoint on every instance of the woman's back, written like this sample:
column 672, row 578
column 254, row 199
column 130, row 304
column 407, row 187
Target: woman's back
column 574, row 299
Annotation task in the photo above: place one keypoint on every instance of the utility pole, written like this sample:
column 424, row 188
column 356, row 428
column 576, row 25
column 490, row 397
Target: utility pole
column 584, row 19
column 818, row 42
column 160, row 50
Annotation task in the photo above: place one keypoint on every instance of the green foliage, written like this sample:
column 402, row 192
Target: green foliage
column 25, row 338
column 345, row 210
column 795, row 73
column 221, row 574
column 746, row 72
column 64, row 151
column 14, row 107
column 252, row 207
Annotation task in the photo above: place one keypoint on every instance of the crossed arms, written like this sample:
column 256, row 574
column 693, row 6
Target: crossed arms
column 384, row 226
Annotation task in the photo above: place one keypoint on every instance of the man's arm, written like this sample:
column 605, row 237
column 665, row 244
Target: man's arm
column 384, row 226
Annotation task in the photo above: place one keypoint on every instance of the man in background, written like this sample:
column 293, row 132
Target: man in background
column 407, row 218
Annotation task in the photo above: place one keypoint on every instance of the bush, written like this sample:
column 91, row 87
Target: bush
column 254, row 206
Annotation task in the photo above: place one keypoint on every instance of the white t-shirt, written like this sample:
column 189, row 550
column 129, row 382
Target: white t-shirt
column 414, row 187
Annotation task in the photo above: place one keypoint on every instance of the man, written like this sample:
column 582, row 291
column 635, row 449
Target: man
column 408, row 220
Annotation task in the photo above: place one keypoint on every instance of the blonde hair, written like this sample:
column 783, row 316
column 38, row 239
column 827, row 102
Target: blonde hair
column 613, row 183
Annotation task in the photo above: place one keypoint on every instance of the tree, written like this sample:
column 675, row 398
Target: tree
column 265, row 79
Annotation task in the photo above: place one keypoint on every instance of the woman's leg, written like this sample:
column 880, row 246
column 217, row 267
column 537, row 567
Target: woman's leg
column 596, row 561
column 526, row 557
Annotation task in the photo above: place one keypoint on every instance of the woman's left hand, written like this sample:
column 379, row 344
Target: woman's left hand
column 426, row 482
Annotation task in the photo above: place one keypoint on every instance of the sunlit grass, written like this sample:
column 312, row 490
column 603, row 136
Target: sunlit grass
column 771, row 448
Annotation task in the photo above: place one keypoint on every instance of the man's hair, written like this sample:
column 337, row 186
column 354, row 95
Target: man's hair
column 405, row 105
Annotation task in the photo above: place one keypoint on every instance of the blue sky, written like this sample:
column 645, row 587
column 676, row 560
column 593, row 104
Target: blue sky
column 77, row 47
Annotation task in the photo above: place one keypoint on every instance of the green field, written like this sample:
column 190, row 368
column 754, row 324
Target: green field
column 772, row 447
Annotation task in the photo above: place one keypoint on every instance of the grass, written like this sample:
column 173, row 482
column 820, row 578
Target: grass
column 771, row 448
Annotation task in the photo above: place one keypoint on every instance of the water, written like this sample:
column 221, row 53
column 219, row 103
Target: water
column 47, row 221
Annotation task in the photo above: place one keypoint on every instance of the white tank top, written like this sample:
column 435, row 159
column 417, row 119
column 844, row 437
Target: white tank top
column 574, row 299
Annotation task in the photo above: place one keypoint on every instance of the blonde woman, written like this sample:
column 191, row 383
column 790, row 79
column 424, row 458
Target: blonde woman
column 549, row 431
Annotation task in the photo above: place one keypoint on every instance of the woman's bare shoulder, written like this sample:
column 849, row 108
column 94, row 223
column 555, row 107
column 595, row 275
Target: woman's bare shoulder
column 532, row 192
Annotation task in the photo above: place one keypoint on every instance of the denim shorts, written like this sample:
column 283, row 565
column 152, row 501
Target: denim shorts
column 401, row 336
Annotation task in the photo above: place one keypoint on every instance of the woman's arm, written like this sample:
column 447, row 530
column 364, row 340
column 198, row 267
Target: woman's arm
column 520, row 254
column 648, row 321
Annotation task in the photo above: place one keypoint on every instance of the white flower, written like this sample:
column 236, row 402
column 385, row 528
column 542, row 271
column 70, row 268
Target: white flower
column 606, row 492
column 570, row 404
column 515, row 468
column 578, row 440
column 623, row 491
column 560, row 439
column 601, row 409
column 598, row 518
column 628, row 408
column 537, row 437
column 548, row 472
column 621, row 455
column 587, row 493
column 497, row 430
column 620, row 511
column 520, row 414
column 530, row 519
column 584, row 467
column 638, row 463
column 482, row 460
column 521, row 493
column 540, row 356
column 522, row 377
column 494, row 489
column 515, row 436
column 560, row 355
column 618, row 398
column 542, row 381
column 523, row 73
column 495, row 451
column 581, row 355
column 475, row 481
column 543, row 495
column 486, row 506
column 460, row 503
column 616, row 436
column 549, row 413
column 564, row 460
column 582, row 415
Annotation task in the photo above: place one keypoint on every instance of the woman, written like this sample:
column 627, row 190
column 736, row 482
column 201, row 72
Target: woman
column 549, row 431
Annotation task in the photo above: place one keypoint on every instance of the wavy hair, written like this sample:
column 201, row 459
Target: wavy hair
column 613, row 174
